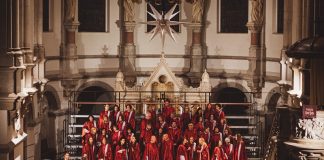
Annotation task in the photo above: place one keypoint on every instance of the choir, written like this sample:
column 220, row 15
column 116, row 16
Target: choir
column 203, row 135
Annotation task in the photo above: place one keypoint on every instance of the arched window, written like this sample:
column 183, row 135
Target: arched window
column 93, row 15
column 233, row 16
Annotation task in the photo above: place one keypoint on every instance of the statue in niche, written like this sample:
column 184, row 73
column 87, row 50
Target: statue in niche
column 17, row 125
column 197, row 10
column 70, row 6
column 129, row 14
column 257, row 11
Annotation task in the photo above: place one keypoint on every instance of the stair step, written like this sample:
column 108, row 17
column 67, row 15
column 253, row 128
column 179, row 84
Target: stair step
column 83, row 116
column 73, row 146
column 239, row 117
column 242, row 127
column 76, row 125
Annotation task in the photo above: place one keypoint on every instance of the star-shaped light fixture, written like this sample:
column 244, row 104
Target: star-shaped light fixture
column 163, row 23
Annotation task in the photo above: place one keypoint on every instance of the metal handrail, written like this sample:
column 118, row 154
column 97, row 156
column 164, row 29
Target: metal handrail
column 274, row 131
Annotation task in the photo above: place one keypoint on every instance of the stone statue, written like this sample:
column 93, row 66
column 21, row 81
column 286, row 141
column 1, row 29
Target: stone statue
column 257, row 11
column 17, row 123
column 129, row 13
column 70, row 7
column 310, row 129
column 197, row 10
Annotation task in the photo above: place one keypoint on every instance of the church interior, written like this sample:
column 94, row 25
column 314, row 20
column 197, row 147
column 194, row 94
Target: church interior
column 162, row 79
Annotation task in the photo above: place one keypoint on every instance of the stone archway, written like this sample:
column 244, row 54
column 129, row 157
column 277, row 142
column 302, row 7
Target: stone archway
column 273, row 99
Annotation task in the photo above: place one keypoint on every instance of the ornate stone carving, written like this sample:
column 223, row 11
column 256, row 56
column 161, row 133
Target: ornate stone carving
column 197, row 10
column 129, row 13
column 257, row 11
column 310, row 129
column 70, row 7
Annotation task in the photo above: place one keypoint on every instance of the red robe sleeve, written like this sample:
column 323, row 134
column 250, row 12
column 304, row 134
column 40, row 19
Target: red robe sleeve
column 134, row 152
column 167, row 150
column 239, row 152
column 182, row 151
column 151, row 152
column 120, row 156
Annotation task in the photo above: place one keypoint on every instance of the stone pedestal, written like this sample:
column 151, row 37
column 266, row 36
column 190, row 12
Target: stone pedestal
column 197, row 60
column 128, row 54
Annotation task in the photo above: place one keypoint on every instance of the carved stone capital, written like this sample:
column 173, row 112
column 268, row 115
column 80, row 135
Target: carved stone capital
column 129, row 26
column 196, row 27
column 68, row 85
column 254, row 27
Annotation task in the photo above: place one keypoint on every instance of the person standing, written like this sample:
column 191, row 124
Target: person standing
column 151, row 150
column 121, row 150
column 203, row 152
column 105, row 152
column 167, row 148
column 134, row 149
column 239, row 149
column 182, row 150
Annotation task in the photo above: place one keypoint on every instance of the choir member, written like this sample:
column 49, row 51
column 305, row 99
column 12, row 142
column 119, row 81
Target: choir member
column 167, row 148
column 92, row 134
column 217, row 137
column 198, row 114
column 190, row 132
column 167, row 110
column 121, row 124
column 229, row 149
column 161, row 123
column 209, row 111
column 211, row 123
column 106, row 124
column 151, row 150
column 134, row 149
column 129, row 115
column 105, row 113
column 222, row 125
column 145, row 121
column 174, row 118
column 219, row 153
column 152, row 111
column 89, row 150
column 102, row 136
column 116, row 136
column 66, row 156
column 207, row 137
column 105, row 152
column 199, row 126
column 129, row 134
column 146, row 134
column 220, row 113
column 227, row 134
column 239, row 149
column 191, row 149
column 182, row 150
column 121, row 150
column 174, row 132
column 88, row 125
column 116, row 115
column 185, row 118
column 203, row 152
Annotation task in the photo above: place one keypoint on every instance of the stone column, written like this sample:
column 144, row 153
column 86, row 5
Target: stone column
column 69, row 69
column 128, row 55
column 197, row 61
column 257, row 50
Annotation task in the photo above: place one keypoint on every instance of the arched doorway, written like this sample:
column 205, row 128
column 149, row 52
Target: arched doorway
column 49, row 104
column 236, row 115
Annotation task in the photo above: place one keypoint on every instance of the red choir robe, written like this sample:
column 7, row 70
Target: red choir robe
column 146, row 136
column 167, row 150
column 185, row 119
column 144, row 122
column 129, row 136
column 174, row 134
column 87, row 136
column 162, row 125
column 105, row 152
column 151, row 152
column 121, row 125
column 101, row 136
column 208, row 112
column 222, row 127
column 203, row 153
column 102, row 115
column 89, row 151
column 134, row 152
column 166, row 111
column 199, row 128
column 216, row 138
column 87, row 127
column 192, row 151
column 196, row 117
column 218, row 154
column 116, row 137
column 208, row 138
column 229, row 150
column 182, row 153
column 220, row 115
column 239, row 151
column 130, row 118
column 211, row 124
column 106, row 126
column 121, row 153
column 153, row 117
column 190, row 133
column 116, row 116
